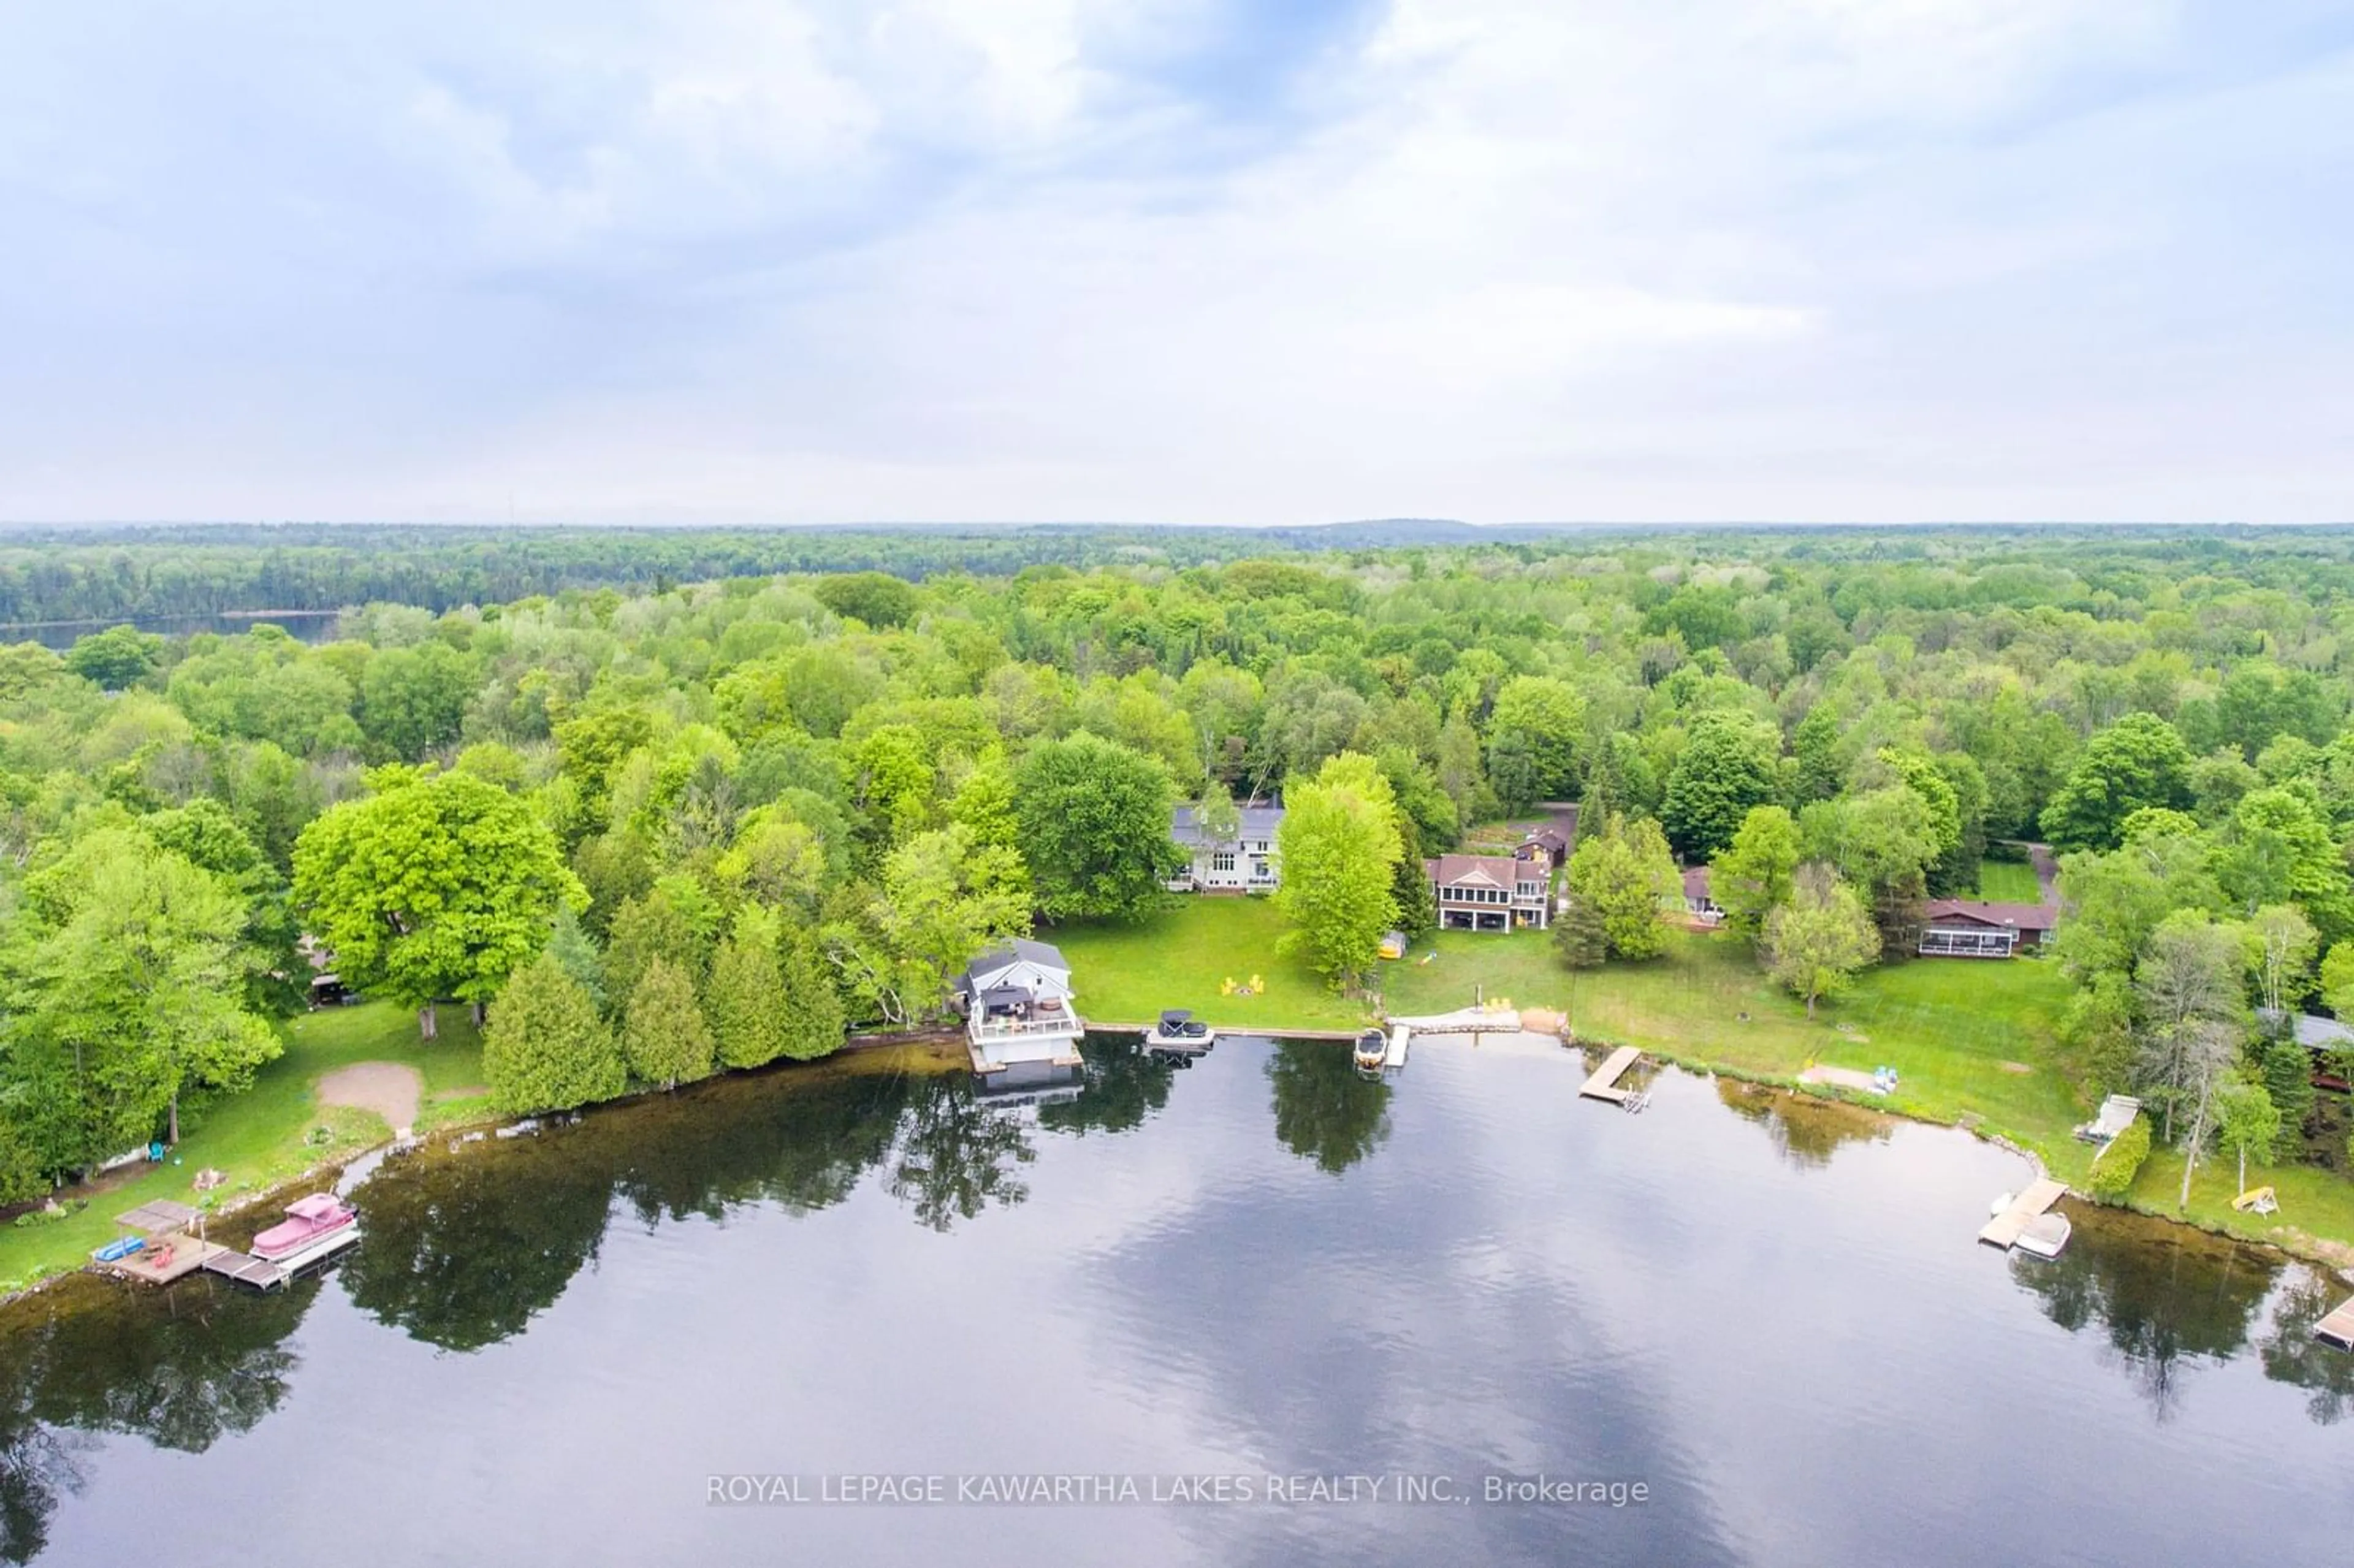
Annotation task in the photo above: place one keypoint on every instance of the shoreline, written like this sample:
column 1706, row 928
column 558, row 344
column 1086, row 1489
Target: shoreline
column 2334, row 1257
column 448, row 1134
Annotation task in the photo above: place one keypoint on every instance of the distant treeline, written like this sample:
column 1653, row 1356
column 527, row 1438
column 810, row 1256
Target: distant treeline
column 113, row 573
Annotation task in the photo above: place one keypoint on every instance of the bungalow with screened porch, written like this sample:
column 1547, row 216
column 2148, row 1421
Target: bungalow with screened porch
column 1965, row 928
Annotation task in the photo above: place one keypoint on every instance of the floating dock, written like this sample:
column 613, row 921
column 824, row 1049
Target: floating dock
column 1604, row 1084
column 2337, row 1329
column 246, row 1270
column 2003, row 1230
column 1398, row 1038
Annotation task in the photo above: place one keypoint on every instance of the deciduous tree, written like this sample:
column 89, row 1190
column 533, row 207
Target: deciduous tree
column 1752, row 875
column 1816, row 942
column 436, row 885
column 1095, row 828
column 1340, row 845
column 1623, row 882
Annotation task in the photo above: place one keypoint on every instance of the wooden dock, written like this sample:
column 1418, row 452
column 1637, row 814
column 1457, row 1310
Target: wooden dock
column 1397, row 1054
column 1604, row 1084
column 245, row 1269
column 2337, row 1329
column 2003, row 1230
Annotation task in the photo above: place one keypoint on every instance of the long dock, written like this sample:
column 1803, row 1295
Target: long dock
column 1395, row 1057
column 2003, row 1230
column 2338, row 1326
column 1604, row 1084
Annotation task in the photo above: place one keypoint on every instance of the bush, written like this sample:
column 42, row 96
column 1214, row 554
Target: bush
column 2114, row 1169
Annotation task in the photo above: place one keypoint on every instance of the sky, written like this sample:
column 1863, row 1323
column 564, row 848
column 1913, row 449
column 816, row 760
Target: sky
column 1177, row 260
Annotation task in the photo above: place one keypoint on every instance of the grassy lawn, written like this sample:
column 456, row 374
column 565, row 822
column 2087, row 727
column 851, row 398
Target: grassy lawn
column 270, row 1132
column 2008, row 882
column 1177, row 958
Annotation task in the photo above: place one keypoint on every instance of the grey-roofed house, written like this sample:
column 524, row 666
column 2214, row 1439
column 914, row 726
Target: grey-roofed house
column 1246, row 863
column 1019, row 1006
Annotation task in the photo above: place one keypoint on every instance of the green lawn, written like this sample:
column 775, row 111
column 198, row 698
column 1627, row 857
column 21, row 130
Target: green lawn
column 266, row 1135
column 1179, row 957
column 2008, row 882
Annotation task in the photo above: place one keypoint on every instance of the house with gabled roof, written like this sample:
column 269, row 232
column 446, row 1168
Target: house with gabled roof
column 1489, row 892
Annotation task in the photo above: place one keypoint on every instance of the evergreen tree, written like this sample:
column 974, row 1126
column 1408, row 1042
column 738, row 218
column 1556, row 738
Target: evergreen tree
column 814, row 1018
column 546, row 1047
column 745, row 994
column 663, row 1038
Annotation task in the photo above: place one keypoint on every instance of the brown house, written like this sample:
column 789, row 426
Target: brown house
column 1965, row 928
column 1489, row 892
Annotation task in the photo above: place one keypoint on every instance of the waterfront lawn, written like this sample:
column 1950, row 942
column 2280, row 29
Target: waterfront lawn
column 1127, row 973
column 1965, row 1038
column 2008, row 882
column 273, row 1132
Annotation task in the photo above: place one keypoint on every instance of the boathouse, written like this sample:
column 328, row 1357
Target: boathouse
column 1019, row 1006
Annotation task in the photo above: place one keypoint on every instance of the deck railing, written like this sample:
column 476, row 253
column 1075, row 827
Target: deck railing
column 1064, row 1023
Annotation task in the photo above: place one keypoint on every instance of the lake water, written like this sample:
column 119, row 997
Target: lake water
column 1772, row 1316
column 313, row 626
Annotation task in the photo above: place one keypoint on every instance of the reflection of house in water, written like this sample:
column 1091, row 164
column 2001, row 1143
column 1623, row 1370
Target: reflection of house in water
column 1019, row 1008
column 1032, row 1084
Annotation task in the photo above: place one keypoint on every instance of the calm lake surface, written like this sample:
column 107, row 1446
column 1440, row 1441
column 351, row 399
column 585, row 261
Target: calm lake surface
column 1774, row 1316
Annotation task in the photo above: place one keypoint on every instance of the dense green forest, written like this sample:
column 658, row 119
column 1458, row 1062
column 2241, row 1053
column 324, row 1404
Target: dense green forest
column 663, row 833
column 60, row 574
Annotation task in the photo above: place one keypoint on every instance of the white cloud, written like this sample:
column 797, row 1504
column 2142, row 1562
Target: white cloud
column 1490, row 259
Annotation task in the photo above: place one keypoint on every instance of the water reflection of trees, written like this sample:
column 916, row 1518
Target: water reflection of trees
column 2163, row 1296
column 2292, row 1355
column 954, row 1154
column 462, row 1252
column 1805, row 1132
column 1123, row 1084
column 1325, row 1110
column 181, row 1369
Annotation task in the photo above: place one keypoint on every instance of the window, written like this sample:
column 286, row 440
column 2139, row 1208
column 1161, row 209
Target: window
column 1224, row 860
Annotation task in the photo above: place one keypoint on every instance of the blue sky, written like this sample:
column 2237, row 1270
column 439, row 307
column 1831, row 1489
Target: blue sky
column 768, row 261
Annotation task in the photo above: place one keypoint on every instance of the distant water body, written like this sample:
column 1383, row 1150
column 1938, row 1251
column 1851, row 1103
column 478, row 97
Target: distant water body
column 1255, row 1299
column 302, row 625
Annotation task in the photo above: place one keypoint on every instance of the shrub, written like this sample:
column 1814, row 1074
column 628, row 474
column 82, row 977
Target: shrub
column 2114, row 1169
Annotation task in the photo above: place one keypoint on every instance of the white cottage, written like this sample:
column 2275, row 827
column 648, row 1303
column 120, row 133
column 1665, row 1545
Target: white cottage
column 1019, row 1007
column 1246, row 863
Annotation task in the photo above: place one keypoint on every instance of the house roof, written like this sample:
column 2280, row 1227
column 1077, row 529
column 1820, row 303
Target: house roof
column 2315, row 1032
column 2019, row 916
column 1474, row 870
column 1046, row 955
column 1258, row 820
column 1548, row 838
column 1695, row 882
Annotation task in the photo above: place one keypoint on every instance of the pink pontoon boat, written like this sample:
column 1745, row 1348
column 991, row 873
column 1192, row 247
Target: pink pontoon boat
column 314, row 1226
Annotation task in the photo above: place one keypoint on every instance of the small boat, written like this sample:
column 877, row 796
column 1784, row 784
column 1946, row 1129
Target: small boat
column 1372, row 1050
column 313, row 1227
column 2044, row 1235
column 1180, row 1031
